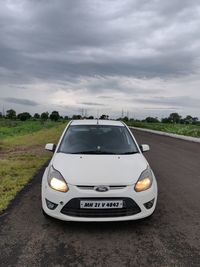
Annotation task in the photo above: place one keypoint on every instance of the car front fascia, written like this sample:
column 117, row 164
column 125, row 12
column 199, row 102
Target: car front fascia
column 74, row 192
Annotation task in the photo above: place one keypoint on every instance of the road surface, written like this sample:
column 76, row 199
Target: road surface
column 171, row 237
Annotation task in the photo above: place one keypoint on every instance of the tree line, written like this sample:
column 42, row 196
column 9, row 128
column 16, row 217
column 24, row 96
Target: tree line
column 12, row 115
column 55, row 116
column 172, row 118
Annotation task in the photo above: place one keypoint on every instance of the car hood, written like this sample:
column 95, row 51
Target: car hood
column 100, row 169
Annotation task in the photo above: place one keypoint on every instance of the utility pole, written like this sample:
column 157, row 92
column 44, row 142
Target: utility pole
column 127, row 114
column 3, row 112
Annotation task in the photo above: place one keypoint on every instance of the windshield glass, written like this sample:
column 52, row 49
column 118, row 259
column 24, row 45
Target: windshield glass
column 97, row 139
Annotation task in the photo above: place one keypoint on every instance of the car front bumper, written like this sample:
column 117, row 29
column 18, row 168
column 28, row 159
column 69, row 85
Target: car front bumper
column 134, row 202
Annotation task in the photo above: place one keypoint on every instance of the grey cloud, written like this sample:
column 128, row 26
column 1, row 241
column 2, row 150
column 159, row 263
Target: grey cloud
column 181, row 101
column 118, row 84
column 170, row 108
column 105, row 97
column 21, row 101
column 66, row 38
column 91, row 104
column 64, row 42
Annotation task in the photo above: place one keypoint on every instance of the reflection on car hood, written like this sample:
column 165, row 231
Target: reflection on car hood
column 100, row 169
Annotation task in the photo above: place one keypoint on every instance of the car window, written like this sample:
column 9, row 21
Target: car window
column 97, row 139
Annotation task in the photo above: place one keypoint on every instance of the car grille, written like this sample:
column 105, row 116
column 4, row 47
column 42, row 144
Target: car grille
column 92, row 187
column 72, row 208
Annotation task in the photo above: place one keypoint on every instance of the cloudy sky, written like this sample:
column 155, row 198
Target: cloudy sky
column 100, row 56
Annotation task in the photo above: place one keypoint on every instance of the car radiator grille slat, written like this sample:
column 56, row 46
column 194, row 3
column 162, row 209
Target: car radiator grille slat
column 92, row 187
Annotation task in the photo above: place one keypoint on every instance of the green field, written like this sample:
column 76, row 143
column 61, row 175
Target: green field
column 15, row 127
column 22, row 153
column 182, row 129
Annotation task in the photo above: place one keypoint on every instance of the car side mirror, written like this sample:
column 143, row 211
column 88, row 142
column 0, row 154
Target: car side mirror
column 50, row 147
column 144, row 148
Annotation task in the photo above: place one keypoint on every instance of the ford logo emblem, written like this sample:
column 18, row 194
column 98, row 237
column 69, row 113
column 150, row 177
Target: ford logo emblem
column 101, row 188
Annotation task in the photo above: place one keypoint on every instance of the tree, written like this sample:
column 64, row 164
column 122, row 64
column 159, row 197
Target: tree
column 11, row 114
column 151, row 119
column 195, row 120
column 165, row 120
column 125, row 118
column 91, row 118
column 188, row 119
column 54, row 116
column 174, row 117
column 66, row 118
column 44, row 116
column 76, row 117
column 104, row 117
column 131, row 119
column 24, row 116
column 1, row 115
column 36, row 116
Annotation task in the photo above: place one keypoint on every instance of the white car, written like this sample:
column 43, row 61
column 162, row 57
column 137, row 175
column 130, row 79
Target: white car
column 98, row 173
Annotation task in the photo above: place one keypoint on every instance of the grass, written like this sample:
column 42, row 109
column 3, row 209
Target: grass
column 182, row 129
column 16, row 127
column 22, row 154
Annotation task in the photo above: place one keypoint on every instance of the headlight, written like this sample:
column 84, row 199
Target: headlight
column 56, row 181
column 145, row 181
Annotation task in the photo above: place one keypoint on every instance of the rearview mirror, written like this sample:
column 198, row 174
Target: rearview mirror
column 144, row 148
column 50, row 147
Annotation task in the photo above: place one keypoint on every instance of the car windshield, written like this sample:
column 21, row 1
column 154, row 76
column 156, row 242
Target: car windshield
column 97, row 139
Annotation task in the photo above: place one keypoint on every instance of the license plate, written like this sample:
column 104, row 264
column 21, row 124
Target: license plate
column 101, row 204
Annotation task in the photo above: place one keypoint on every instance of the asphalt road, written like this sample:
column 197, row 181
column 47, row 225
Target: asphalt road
column 171, row 237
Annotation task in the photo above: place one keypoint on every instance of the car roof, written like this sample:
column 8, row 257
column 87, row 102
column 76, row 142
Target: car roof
column 97, row 122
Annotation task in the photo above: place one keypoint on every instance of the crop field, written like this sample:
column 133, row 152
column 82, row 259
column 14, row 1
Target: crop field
column 22, row 153
column 182, row 129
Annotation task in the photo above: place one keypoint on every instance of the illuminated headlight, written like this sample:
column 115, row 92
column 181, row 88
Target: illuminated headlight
column 56, row 181
column 145, row 181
